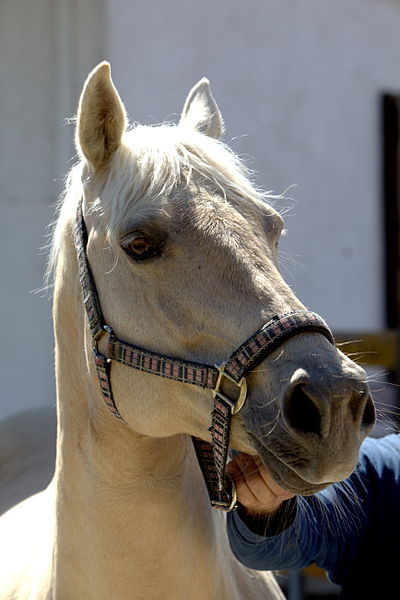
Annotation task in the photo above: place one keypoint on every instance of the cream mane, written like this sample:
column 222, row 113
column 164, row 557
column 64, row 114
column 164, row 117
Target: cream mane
column 147, row 168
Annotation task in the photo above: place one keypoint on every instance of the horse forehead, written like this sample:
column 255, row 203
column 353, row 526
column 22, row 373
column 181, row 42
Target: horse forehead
column 210, row 215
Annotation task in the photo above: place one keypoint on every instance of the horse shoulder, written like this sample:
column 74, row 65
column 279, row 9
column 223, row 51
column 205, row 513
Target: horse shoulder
column 26, row 557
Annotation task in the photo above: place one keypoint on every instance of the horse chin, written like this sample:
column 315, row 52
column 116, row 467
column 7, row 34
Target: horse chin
column 283, row 474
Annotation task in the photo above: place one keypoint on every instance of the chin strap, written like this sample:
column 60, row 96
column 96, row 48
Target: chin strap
column 211, row 457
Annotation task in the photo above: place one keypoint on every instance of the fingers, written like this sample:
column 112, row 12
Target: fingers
column 256, row 490
column 243, row 491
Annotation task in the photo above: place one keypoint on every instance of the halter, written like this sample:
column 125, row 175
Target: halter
column 211, row 457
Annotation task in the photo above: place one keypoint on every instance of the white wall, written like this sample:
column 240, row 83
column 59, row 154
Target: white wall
column 25, row 175
column 45, row 47
column 298, row 84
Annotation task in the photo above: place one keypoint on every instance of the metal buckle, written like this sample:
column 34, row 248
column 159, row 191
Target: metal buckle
column 231, row 494
column 105, row 329
column 235, row 405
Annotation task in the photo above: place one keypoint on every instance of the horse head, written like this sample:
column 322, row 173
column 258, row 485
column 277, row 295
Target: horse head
column 184, row 253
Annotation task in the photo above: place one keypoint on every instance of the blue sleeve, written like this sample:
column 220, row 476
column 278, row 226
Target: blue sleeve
column 313, row 537
column 332, row 527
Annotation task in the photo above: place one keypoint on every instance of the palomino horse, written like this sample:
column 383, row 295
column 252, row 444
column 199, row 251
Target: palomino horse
column 183, row 252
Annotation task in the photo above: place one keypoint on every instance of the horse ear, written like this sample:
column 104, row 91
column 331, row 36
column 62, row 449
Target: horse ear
column 201, row 112
column 101, row 117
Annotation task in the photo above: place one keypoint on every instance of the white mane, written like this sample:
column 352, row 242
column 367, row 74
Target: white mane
column 149, row 165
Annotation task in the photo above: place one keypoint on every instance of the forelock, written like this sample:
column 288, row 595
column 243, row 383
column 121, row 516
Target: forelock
column 153, row 162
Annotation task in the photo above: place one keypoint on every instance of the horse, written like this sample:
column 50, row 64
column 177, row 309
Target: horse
column 180, row 257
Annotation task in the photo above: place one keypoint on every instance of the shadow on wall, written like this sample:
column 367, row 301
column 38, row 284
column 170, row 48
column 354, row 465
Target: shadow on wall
column 27, row 454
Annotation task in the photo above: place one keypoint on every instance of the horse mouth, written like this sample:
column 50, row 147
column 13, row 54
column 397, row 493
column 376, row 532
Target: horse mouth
column 283, row 474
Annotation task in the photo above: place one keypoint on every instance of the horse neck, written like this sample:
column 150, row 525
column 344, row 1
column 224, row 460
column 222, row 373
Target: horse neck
column 123, row 501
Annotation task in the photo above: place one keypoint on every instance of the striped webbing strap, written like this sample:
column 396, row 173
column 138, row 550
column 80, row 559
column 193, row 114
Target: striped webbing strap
column 212, row 457
column 240, row 363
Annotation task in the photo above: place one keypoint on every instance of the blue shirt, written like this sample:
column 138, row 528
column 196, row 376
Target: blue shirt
column 351, row 529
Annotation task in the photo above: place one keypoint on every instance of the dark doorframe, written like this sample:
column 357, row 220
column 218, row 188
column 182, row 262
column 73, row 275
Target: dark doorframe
column 390, row 110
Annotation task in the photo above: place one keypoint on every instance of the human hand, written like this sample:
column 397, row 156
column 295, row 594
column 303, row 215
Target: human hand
column 255, row 488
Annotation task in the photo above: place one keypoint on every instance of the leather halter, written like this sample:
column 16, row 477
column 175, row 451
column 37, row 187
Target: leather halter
column 212, row 457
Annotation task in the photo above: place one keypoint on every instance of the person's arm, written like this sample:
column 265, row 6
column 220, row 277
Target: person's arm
column 271, row 531
column 265, row 552
column 351, row 529
column 262, row 530
column 268, row 524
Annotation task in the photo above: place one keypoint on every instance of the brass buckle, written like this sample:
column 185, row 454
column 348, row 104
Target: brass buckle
column 232, row 495
column 106, row 329
column 235, row 405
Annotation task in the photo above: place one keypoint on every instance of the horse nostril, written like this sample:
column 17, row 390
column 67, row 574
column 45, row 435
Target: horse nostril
column 300, row 411
column 363, row 410
column 368, row 417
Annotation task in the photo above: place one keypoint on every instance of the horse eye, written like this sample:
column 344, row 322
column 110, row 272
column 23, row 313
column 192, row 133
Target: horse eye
column 141, row 247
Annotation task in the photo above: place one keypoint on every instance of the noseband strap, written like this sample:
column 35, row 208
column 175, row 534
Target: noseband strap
column 212, row 457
